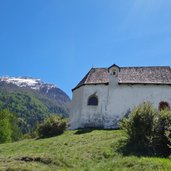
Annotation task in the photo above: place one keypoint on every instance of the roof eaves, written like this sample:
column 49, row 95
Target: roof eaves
column 105, row 83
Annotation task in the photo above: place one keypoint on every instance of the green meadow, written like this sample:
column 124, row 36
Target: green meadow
column 89, row 150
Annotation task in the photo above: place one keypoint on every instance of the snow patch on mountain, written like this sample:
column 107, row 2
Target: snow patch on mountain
column 35, row 84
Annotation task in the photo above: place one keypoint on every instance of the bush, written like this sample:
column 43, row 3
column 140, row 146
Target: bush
column 139, row 126
column 149, row 131
column 162, row 139
column 52, row 126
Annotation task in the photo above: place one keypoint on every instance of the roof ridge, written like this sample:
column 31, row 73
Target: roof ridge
column 100, row 68
column 147, row 67
column 164, row 66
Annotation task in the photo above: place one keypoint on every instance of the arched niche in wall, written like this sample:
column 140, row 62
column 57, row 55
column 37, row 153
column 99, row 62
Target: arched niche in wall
column 164, row 105
column 92, row 100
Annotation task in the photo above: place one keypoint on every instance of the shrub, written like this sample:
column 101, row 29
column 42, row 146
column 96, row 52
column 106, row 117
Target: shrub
column 149, row 131
column 162, row 140
column 139, row 126
column 52, row 126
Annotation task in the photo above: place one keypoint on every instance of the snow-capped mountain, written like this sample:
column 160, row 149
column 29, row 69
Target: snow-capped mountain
column 35, row 84
column 38, row 87
column 32, row 100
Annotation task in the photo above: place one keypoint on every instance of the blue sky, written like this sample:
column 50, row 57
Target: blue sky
column 60, row 40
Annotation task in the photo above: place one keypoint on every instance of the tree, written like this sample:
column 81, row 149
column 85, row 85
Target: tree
column 9, row 130
column 5, row 126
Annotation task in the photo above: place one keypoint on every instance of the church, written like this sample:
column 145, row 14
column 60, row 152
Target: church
column 105, row 95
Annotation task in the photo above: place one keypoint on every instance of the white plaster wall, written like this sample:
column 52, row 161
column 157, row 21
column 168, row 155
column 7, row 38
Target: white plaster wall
column 83, row 115
column 92, row 116
column 114, row 102
column 76, row 108
column 123, row 98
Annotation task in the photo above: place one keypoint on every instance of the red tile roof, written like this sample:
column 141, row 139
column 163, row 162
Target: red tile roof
column 129, row 75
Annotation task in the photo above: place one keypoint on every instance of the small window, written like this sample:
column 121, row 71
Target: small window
column 164, row 105
column 93, row 100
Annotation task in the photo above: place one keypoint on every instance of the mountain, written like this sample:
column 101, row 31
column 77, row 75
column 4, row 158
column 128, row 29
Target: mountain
column 32, row 100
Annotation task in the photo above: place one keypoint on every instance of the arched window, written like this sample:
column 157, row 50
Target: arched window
column 164, row 105
column 93, row 100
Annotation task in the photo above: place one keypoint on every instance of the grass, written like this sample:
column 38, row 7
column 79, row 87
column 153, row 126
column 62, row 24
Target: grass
column 91, row 150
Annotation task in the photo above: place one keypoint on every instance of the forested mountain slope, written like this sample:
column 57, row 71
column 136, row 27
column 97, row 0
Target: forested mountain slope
column 32, row 100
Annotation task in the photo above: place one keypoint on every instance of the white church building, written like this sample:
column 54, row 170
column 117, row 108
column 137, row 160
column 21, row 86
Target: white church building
column 106, row 95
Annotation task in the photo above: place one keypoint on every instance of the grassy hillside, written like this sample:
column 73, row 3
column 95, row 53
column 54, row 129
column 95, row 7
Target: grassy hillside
column 75, row 150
